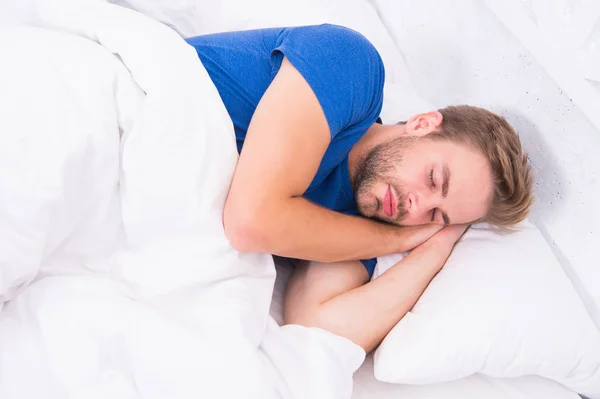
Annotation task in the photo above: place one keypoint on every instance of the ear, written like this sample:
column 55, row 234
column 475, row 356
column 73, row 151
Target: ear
column 422, row 124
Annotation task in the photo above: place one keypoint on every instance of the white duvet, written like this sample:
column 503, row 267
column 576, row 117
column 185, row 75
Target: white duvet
column 116, row 154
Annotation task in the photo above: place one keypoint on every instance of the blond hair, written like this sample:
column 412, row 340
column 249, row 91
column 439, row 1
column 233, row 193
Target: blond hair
column 492, row 135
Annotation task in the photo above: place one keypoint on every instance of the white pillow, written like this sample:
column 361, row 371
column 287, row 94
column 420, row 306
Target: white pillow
column 501, row 306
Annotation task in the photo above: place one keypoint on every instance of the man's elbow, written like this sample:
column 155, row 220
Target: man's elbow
column 245, row 233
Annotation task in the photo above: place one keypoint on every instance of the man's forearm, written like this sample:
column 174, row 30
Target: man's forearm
column 366, row 314
column 303, row 230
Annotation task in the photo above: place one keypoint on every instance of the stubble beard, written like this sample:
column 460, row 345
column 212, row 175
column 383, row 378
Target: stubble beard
column 377, row 167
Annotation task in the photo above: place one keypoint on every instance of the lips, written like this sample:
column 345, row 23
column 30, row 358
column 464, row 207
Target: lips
column 389, row 203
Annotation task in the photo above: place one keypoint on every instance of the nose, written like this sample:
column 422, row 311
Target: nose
column 420, row 204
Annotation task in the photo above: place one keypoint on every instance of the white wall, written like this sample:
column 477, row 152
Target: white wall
column 473, row 52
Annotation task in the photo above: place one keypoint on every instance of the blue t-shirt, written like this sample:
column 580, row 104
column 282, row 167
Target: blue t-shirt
column 341, row 66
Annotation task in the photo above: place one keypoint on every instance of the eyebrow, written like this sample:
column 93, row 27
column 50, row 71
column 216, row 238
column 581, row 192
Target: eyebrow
column 446, row 183
column 445, row 188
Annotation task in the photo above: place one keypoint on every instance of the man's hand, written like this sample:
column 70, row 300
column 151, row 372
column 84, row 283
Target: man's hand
column 443, row 241
column 334, row 296
column 451, row 234
column 409, row 237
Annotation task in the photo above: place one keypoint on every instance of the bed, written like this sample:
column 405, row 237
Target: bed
column 488, row 59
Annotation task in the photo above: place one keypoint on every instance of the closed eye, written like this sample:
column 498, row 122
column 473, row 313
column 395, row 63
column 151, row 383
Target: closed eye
column 431, row 178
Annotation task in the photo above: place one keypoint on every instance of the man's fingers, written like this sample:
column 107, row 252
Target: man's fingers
column 452, row 233
column 413, row 236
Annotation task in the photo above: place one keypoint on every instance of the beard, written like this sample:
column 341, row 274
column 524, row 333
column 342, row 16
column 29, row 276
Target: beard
column 378, row 166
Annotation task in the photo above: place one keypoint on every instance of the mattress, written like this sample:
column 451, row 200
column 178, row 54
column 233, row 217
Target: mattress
column 473, row 387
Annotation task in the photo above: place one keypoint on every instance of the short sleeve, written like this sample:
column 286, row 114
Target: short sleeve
column 370, row 264
column 343, row 69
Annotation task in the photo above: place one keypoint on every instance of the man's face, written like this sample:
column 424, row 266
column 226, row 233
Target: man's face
column 415, row 180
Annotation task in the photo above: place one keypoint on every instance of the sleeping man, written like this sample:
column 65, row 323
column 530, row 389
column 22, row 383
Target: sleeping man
column 320, row 179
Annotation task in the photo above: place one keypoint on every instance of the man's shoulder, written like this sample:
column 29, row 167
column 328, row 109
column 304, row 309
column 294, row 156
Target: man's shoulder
column 338, row 37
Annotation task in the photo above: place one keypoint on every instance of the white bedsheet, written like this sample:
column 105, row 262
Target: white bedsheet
column 117, row 154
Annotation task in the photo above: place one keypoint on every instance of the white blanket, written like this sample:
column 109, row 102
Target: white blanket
column 116, row 154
